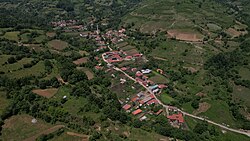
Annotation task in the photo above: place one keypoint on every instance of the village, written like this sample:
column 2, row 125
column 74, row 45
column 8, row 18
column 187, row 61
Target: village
column 143, row 105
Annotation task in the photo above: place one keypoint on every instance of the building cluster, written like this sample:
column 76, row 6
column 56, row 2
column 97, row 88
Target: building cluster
column 138, row 104
column 70, row 24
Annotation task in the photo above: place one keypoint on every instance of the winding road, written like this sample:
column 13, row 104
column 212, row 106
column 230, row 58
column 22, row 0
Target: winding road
column 184, row 113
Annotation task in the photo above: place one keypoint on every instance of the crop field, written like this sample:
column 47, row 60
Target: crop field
column 58, row 44
column 48, row 93
column 81, row 61
column 20, row 127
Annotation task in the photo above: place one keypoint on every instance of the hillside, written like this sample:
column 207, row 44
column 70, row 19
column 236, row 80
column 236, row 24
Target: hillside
column 125, row 70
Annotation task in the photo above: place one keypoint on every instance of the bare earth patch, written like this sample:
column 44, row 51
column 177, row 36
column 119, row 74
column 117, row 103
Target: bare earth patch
column 81, row 61
column 184, row 36
column 48, row 93
column 203, row 107
column 58, row 44
column 232, row 32
column 84, row 137
column 89, row 74
column 51, row 34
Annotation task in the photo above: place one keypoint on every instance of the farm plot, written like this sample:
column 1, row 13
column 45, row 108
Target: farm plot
column 89, row 73
column 20, row 127
column 12, row 35
column 127, row 47
column 58, row 44
column 48, row 93
column 51, row 34
column 81, row 61
column 36, row 70
column 185, row 36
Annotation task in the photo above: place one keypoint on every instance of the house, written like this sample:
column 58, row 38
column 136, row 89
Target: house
column 126, row 107
column 128, row 57
column 146, row 99
column 153, row 87
column 123, row 68
column 156, row 90
column 159, row 112
column 143, row 118
column 137, row 55
column 162, row 86
column 136, row 112
column 135, row 99
column 133, row 69
column 147, row 71
column 152, row 101
column 176, row 118
column 138, row 74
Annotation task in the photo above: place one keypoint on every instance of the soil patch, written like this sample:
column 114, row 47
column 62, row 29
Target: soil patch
column 81, row 61
column 58, row 44
column 51, row 34
column 48, row 93
column 203, row 107
column 89, row 74
column 184, row 36
column 232, row 32
column 84, row 137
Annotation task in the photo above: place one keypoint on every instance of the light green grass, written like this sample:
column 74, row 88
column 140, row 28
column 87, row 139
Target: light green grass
column 242, row 93
column 187, row 107
column 74, row 104
column 166, row 99
column 12, row 35
column 4, row 58
column 159, row 79
column 219, row 112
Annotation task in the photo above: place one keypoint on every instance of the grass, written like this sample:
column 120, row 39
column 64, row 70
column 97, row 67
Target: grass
column 187, row 107
column 63, row 91
column 15, row 66
column 35, row 70
column 12, row 35
column 242, row 93
column 219, row 112
column 40, row 38
column 87, row 71
column 73, row 104
column 228, row 136
column 159, row 79
column 244, row 73
column 4, row 58
column 66, row 137
column 58, row 44
column 166, row 99
column 4, row 102
column 20, row 127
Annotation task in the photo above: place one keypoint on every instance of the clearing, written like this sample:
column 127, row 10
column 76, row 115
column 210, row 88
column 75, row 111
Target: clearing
column 12, row 35
column 58, row 44
column 48, row 93
column 203, row 107
column 89, row 73
column 81, row 61
column 185, row 36
column 20, row 127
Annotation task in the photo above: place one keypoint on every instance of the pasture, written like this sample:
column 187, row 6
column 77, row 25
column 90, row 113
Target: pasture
column 36, row 70
column 4, row 102
column 12, row 35
column 165, row 98
column 81, row 61
column 15, row 66
column 20, row 127
column 48, row 93
column 58, row 44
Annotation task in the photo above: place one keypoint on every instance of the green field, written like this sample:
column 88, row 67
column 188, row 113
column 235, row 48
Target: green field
column 15, row 66
column 36, row 70
column 166, row 99
column 4, row 102
column 219, row 112
column 20, row 127
column 12, row 35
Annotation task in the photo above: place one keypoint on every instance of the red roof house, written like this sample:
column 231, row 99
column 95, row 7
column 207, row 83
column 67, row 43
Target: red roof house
column 152, row 101
column 138, row 74
column 137, row 55
column 176, row 117
column 124, row 68
column 159, row 112
column 136, row 112
column 162, row 86
column 134, row 99
column 126, row 107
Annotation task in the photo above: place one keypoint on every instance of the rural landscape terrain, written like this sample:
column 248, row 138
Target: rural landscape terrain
column 136, row 70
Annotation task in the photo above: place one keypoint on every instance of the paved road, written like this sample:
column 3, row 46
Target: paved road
column 185, row 113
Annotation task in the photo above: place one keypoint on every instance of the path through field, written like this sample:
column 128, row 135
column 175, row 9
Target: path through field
column 50, row 130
